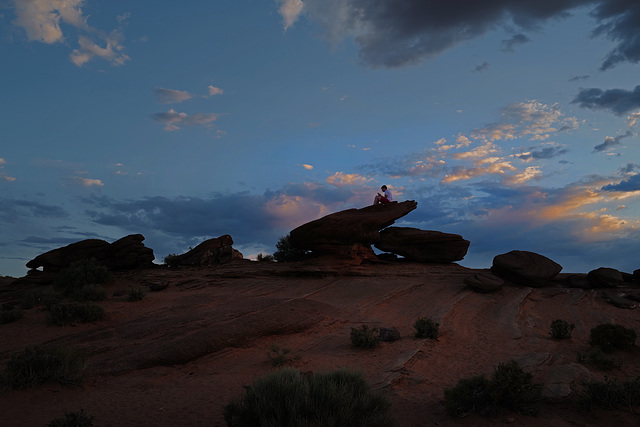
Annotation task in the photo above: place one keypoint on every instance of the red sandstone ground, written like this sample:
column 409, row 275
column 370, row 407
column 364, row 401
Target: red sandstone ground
column 178, row 356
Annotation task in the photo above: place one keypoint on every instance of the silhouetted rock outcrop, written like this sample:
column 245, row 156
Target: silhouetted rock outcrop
column 525, row 268
column 340, row 231
column 423, row 245
column 483, row 282
column 209, row 252
column 126, row 253
column 604, row 277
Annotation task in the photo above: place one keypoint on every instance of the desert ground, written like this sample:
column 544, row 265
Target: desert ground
column 179, row 355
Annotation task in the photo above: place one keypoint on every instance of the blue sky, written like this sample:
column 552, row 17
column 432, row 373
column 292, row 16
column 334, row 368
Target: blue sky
column 513, row 124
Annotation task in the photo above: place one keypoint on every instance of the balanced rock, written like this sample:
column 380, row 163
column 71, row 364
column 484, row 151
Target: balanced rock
column 126, row 253
column 483, row 282
column 207, row 253
column 348, row 227
column 423, row 245
column 525, row 268
column 604, row 277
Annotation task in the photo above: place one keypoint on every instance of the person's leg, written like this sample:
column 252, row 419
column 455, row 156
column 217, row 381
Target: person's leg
column 384, row 200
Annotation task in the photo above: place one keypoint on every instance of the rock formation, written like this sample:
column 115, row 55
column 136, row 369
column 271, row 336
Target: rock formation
column 604, row 277
column 126, row 253
column 483, row 282
column 349, row 227
column 209, row 252
column 525, row 268
column 422, row 245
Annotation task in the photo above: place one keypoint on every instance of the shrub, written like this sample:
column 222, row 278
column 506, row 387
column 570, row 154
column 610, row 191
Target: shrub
column 286, row 398
column 561, row 330
column 63, row 313
column 171, row 260
column 608, row 336
column 510, row 387
column 426, row 328
column 40, row 365
column 90, row 293
column 136, row 293
column 36, row 297
column 73, row 419
column 596, row 357
column 265, row 258
column 469, row 395
column 81, row 273
column 610, row 394
column 8, row 316
column 363, row 337
column 279, row 356
column 286, row 252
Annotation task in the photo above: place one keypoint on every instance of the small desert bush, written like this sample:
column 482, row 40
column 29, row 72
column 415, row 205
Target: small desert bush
column 608, row 336
column 363, row 337
column 286, row 398
column 510, row 387
column 596, row 357
column 73, row 419
column 265, row 258
column 280, row 356
column 90, row 293
column 426, row 328
column 81, row 273
column 35, row 297
column 610, row 394
column 286, row 252
column 72, row 312
column 561, row 330
column 40, row 365
column 136, row 293
column 8, row 316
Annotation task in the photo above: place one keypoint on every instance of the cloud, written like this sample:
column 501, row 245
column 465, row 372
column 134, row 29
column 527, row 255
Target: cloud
column 579, row 78
column 396, row 33
column 341, row 179
column 630, row 184
column 290, row 10
column 610, row 142
column 618, row 101
column 481, row 67
column 173, row 120
column 632, row 119
column 171, row 96
column 620, row 22
column 13, row 209
column 307, row 167
column 214, row 90
column 88, row 182
column 509, row 45
column 543, row 151
column 42, row 19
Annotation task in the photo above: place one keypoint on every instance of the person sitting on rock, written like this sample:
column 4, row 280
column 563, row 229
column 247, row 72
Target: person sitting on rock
column 383, row 198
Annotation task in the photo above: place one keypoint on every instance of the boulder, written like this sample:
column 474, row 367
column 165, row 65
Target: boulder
column 525, row 268
column 210, row 252
column 618, row 300
column 423, row 245
column 483, row 282
column 348, row 227
column 604, row 277
column 126, row 253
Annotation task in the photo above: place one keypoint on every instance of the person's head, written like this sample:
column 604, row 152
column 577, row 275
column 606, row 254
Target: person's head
column 383, row 188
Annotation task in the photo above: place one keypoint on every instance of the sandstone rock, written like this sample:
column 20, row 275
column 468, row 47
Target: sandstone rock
column 618, row 301
column 483, row 282
column 633, row 296
column 423, row 245
column 525, row 268
column 579, row 281
column 389, row 334
column 348, row 227
column 126, row 253
column 604, row 277
column 210, row 252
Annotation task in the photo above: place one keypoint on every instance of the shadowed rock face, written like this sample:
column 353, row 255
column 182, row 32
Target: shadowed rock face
column 209, row 252
column 126, row 253
column 423, row 245
column 349, row 227
column 525, row 268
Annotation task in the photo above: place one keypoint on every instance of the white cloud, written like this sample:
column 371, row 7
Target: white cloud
column 215, row 90
column 88, row 182
column 290, row 10
column 307, row 167
column 173, row 120
column 42, row 19
column 633, row 118
column 340, row 179
column 171, row 96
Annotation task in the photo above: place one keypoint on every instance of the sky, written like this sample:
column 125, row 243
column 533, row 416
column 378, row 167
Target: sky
column 512, row 123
